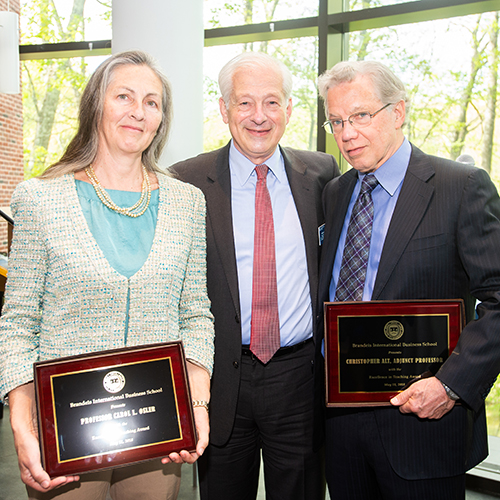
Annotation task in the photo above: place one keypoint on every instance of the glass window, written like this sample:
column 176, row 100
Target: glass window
column 368, row 4
column 52, row 87
column 56, row 21
column 493, row 411
column 301, row 57
column 220, row 13
column 448, row 75
column 51, row 94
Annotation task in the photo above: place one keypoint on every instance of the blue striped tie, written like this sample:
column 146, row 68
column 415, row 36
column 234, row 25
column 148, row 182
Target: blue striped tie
column 357, row 245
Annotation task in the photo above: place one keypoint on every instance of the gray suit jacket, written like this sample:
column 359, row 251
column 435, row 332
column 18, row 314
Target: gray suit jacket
column 443, row 243
column 307, row 173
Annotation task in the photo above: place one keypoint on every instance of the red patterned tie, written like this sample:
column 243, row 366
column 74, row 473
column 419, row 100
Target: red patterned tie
column 265, row 327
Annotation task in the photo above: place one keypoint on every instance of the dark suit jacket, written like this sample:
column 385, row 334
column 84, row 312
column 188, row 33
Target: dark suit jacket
column 307, row 173
column 443, row 242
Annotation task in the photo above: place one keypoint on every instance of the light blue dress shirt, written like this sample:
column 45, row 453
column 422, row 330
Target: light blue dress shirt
column 390, row 176
column 294, row 297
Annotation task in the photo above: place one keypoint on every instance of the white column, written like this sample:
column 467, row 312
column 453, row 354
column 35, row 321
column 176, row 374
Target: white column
column 9, row 53
column 172, row 32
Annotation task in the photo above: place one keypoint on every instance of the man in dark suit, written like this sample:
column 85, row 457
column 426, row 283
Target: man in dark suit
column 435, row 235
column 261, row 402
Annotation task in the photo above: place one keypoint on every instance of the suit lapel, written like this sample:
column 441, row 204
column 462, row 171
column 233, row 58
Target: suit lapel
column 302, row 187
column 219, row 220
column 335, row 210
column 416, row 194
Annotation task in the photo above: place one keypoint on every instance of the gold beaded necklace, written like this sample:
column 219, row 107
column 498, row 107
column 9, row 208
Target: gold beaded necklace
column 135, row 210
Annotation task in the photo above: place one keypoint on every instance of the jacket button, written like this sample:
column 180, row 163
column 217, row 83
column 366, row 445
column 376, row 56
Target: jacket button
column 236, row 364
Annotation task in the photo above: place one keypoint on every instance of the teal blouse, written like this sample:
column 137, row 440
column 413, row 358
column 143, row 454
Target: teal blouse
column 125, row 241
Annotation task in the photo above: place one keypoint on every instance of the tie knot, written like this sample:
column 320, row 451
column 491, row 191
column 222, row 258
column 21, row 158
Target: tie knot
column 369, row 183
column 261, row 171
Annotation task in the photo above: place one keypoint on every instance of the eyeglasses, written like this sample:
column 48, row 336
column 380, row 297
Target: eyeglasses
column 357, row 120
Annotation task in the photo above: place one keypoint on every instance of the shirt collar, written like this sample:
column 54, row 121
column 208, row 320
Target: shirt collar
column 392, row 172
column 242, row 168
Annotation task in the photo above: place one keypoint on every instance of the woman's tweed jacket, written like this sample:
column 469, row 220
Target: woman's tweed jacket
column 64, row 298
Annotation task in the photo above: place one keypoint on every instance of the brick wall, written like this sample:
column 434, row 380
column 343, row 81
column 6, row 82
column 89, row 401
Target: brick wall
column 11, row 141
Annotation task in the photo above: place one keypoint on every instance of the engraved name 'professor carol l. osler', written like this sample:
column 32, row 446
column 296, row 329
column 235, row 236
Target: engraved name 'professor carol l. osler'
column 122, row 410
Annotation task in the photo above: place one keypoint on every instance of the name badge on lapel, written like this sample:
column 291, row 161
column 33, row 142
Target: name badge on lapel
column 321, row 234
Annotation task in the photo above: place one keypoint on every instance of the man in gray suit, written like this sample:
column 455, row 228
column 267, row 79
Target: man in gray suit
column 435, row 234
column 261, row 402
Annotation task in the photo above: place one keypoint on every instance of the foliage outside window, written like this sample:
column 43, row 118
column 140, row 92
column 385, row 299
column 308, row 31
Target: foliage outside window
column 221, row 13
column 452, row 78
column 367, row 4
column 52, row 87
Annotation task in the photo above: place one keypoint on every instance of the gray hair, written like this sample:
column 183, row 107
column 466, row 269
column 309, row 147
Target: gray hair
column 388, row 87
column 83, row 148
column 257, row 60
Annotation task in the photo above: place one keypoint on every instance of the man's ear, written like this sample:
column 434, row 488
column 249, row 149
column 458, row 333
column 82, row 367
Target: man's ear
column 223, row 111
column 289, row 110
column 400, row 111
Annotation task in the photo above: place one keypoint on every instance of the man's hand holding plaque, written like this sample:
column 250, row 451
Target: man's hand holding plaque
column 425, row 398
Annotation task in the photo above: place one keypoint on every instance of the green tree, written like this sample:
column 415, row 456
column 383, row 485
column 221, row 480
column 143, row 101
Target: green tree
column 466, row 97
column 301, row 56
column 51, row 87
column 491, row 95
column 452, row 110
column 45, row 80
